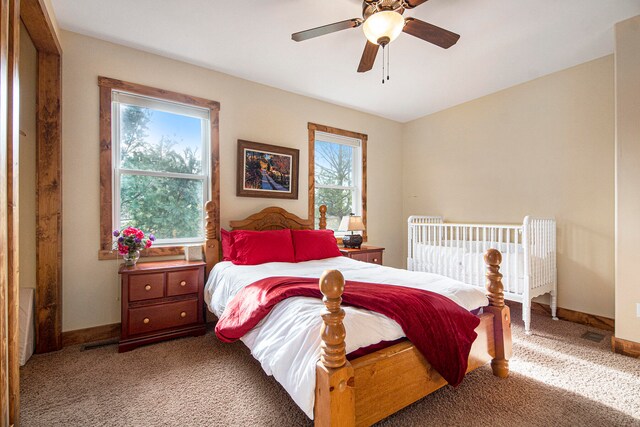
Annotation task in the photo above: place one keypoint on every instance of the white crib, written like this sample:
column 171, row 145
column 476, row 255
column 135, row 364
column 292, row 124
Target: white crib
column 456, row 250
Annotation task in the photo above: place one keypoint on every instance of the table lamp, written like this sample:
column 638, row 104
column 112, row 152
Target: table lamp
column 351, row 223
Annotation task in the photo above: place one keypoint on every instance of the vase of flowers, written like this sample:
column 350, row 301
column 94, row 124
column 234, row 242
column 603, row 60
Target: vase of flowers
column 130, row 258
column 130, row 242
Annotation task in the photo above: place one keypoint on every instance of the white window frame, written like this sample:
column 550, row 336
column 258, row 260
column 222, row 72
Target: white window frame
column 356, row 188
column 121, row 97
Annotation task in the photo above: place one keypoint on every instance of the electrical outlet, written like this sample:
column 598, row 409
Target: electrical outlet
column 638, row 309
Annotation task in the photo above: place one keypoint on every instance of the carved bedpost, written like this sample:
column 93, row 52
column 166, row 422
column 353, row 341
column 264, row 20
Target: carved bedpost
column 212, row 244
column 335, row 395
column 323, row 217
column 501, row 313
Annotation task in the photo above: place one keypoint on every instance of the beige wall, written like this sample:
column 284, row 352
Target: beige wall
column 248, row 111
column 52, row 16
column 541, row 148
column 27, row 171
column 627, row 178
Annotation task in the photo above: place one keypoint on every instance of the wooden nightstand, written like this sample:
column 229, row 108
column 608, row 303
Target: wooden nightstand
column 372, row 254
column 161, row 300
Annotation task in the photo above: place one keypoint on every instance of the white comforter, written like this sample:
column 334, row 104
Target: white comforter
column 287, row 341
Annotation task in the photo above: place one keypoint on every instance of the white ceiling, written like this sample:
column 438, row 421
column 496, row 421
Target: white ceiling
column 503, row 43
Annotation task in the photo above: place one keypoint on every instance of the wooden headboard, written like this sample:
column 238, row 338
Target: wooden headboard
column 272, row 218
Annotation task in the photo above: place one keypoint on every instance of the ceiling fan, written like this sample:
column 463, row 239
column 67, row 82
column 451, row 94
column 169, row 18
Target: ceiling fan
column 382, row 22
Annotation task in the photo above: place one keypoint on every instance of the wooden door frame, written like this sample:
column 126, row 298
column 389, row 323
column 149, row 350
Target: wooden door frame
column 6, row 148
column 9, row 147
column 13, row 158
column 49, row 175
column 49, row 208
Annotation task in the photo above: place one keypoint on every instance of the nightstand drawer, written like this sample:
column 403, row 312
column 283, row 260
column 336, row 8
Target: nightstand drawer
column 360, row 257
column 374, row 257
column 182, row 282
column 370, row 254
column 146, row 286
column 157, row 317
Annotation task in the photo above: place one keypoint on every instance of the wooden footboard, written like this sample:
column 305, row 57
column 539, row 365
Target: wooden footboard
column 372, row 387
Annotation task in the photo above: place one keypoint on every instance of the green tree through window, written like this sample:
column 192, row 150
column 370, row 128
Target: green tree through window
column 336, row 180
column 161, row 174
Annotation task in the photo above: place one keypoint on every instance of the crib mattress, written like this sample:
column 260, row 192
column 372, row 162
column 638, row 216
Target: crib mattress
column 466, row 264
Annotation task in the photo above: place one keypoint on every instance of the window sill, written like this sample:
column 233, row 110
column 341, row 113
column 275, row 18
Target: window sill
column 105, row 254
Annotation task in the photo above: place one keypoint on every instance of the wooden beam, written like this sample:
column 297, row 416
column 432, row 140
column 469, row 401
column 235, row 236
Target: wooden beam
column 49, row 175
column 106, row 190
column 312, row 172
column 215, row 165
column 49, row 204
column 13, row 235
column 158, row 93
column 336, row 131
column 4, row 240
column 39, row 26
column 363, row 151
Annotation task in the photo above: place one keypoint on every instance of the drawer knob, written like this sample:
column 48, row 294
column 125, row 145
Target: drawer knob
column 146, row 320
column 147, row 288
column 375, row 260
column 183, row 314
column 183, row 283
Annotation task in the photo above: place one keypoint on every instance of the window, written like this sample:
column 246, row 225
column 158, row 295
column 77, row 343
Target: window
column 160, row 167
column 337, row 172
column 162, row 164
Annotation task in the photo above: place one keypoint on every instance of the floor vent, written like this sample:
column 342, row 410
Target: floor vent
column 100, row 344
column 592, row 336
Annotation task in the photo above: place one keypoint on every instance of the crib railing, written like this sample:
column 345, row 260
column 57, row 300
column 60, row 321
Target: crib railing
column 540, row 251
column 456, row 250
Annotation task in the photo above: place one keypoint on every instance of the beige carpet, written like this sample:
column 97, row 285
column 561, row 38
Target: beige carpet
column 558, row 379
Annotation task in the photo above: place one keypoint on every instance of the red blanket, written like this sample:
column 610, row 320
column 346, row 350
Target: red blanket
column 439, row 328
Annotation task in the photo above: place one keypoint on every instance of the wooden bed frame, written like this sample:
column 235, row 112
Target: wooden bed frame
column 365, row 390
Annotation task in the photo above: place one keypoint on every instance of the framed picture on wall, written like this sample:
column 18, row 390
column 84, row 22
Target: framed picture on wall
column 267, row 171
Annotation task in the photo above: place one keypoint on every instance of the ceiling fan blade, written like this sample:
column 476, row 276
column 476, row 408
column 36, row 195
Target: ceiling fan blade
column 326, row 29
column 430, row 33
column 414, row 3
column 368, row 57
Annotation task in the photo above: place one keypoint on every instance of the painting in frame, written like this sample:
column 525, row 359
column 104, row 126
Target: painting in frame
column 266, row 170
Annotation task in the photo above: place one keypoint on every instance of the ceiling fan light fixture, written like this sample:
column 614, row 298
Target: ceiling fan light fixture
column 383, row 27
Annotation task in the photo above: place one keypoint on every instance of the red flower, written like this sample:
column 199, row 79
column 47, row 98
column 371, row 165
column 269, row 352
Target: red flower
column 131, row 239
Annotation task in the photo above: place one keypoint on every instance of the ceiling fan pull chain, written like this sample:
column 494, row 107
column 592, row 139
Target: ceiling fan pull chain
column 382, row 64
column 388, row 54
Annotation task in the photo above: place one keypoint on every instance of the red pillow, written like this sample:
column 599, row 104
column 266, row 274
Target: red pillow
column 227, row 245
column 258, row 247
column 314, row 244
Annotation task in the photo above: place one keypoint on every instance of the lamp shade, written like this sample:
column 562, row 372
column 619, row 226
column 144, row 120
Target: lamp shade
column 351, row 223
column 383, row 27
